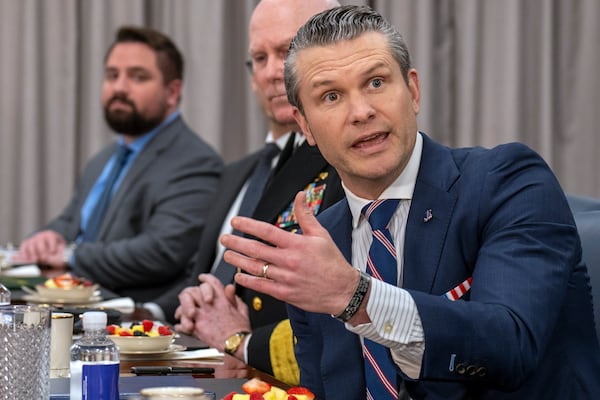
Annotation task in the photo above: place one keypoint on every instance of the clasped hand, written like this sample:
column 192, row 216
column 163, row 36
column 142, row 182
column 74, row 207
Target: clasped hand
column 44, row 248
column 211, row 312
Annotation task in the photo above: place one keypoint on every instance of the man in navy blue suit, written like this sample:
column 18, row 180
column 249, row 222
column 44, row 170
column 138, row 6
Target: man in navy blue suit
column 491, row 299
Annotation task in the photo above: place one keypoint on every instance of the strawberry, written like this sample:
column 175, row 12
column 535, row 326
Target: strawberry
column 111, row 329
column 255, row 385
column 256, row 396
column 164, row 330
column 147, row 324
column 292, row 397
column 229, row 396
column 65, row 281
column 125, row 332
column 301, row 390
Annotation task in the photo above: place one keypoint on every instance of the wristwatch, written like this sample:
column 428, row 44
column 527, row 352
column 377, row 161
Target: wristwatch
column 233, row 342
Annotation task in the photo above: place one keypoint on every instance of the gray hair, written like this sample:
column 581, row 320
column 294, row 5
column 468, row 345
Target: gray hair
column 335, row 25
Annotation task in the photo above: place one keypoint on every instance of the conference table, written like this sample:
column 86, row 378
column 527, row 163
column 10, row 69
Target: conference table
column 226, row 374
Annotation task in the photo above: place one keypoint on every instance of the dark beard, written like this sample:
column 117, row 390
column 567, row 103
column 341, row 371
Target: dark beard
column 129, row 123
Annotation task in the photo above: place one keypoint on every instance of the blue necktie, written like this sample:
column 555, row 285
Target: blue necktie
column 95, row 221
column 256, row 186
column 380, row 370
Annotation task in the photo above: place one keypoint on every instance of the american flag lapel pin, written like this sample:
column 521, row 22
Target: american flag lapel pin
column 428, row 216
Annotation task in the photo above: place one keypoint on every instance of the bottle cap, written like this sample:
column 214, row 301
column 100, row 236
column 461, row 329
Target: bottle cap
column 94, row 320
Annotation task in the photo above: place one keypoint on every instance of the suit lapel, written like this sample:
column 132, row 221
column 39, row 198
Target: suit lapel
column 285, row 154
column 429, row 217
column 337, row 219
column 232, row 180
column 148, row 155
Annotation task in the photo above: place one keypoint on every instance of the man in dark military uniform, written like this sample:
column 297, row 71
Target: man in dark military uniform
column 245, row 324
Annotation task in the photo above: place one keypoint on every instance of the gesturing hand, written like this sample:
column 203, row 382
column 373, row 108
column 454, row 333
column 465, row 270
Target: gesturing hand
column 305, row 270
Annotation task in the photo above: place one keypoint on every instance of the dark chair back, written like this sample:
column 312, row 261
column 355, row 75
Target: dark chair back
column 586, row 211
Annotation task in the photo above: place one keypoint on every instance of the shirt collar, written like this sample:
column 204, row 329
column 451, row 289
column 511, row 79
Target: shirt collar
column 282, row 140
column 402, row 188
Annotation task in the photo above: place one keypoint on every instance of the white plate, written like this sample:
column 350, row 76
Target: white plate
column 172, row 348
column 34, row 298
column 77, row 293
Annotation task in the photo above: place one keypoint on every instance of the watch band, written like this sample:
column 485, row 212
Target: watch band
column 357, row 298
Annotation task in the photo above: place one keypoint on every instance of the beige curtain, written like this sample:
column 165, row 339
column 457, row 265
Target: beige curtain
column 491, row 72
column 511, row 70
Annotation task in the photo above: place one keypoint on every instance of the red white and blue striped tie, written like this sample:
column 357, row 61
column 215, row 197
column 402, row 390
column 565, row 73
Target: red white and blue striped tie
column 380, row 371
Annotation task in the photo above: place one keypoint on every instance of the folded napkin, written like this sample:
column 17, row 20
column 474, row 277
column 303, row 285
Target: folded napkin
column 23, row 271
column 200, row 354
column 124, row 304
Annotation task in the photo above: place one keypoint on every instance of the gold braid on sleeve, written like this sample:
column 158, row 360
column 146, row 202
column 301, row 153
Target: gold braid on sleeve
column 283, row 360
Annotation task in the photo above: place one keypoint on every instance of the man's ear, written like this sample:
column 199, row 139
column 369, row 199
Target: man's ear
column 174, row 88
column 304, row 127
column 415, row 89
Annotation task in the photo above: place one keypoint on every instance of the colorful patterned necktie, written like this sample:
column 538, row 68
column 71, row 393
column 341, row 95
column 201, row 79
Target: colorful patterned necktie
column 95, row 221
column 380, row 371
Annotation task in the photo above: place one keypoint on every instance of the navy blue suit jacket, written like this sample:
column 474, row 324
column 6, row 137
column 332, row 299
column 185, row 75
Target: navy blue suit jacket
column 525, row 330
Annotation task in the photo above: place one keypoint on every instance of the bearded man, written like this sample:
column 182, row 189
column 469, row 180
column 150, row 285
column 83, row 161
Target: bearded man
column 140, row 205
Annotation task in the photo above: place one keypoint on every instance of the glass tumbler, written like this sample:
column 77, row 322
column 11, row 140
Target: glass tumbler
column 24, row 352
column 5, row 254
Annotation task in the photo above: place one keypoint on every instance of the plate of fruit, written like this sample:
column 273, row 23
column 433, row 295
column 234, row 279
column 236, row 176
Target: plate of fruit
column 257, row 389
column 145, row 337
column 66, row 288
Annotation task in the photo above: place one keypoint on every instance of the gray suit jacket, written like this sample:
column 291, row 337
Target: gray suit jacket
column 155, row 219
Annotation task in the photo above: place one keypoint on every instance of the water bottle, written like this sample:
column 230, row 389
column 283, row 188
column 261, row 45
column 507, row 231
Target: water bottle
column 94, row 362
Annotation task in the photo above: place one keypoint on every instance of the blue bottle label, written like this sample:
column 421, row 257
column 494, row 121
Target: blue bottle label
column 100, row 381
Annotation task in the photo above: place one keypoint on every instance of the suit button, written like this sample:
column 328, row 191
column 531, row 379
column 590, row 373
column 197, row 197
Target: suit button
column 461, row 369
column 257, row 303
column 471, row 370
column 481, row 371
column 387, row 328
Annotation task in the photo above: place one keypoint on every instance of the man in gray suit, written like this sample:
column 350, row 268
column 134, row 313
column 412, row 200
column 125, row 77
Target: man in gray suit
column 138, row 243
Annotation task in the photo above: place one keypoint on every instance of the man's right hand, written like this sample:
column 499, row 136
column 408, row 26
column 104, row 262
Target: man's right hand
column 41, row 246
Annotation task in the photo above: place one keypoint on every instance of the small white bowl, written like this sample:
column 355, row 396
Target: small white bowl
column 142, row 344
column 81, row 293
